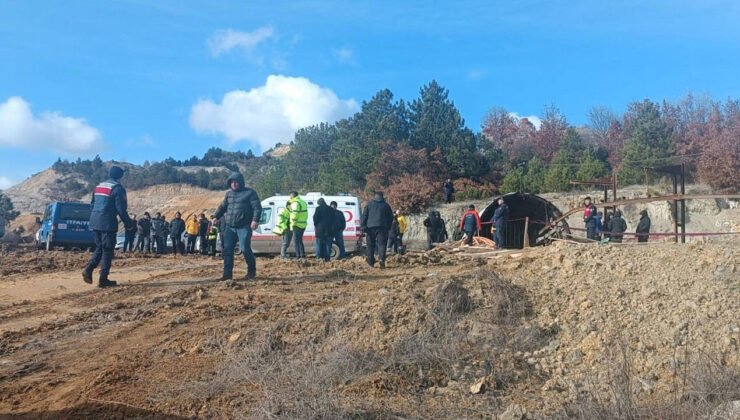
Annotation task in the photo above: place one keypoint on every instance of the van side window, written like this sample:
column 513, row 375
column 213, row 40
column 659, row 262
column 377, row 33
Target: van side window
column 266, row 215
column 47, row 213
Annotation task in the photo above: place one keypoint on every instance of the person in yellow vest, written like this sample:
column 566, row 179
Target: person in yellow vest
column 298, row 222
column 403, row 225
column 282, row 229
column 191, row 228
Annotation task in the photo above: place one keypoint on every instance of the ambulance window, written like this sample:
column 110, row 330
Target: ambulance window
column 265, row 218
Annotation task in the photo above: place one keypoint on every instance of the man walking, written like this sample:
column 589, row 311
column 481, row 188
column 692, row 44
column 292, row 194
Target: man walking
column 130, row 235
column 589, row 218
column 241, row 210
column 192, row 228
column 643, row 227
column 340, row 223
column 108, row 203
column 470, row 224
column 298, row 222
column 500, row 218
column 323, row 222
column 376, row 222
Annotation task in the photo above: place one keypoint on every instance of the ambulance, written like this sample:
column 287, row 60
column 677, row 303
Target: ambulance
column 266, row 242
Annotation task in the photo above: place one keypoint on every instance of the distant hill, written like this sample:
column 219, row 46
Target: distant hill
column 73, row 181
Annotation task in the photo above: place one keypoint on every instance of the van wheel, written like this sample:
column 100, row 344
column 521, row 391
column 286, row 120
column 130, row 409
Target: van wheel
column 237, row 249
column 334, row 252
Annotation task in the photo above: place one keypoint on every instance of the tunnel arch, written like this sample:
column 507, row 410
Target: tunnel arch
column 522, row 205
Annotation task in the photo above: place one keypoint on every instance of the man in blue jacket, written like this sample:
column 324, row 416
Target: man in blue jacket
column 108, row 203
column 500, row 218
column 241, row 210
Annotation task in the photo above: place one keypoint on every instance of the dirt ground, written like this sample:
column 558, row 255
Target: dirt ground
column 550, row 331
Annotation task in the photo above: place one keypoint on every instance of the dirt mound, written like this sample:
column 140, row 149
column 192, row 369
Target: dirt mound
column 567, row 330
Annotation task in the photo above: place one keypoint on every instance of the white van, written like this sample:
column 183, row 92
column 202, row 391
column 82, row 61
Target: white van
column 266, row 242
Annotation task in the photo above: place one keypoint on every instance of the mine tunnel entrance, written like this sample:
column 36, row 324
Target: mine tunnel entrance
column 522, row 206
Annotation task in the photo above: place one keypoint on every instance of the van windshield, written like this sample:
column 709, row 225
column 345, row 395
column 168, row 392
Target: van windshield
column 74, row 212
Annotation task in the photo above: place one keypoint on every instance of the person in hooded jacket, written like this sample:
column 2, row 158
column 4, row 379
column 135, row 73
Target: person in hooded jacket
column 643, row 227
column 470, row 224
column 440, row 227
column 143, row 232
column 323, row 222
column 158, row 234
column 241, row 210
column 376, row 222
column 449, row 190
column 108, row 204
column 192, row 229
column 130, row 235
column 431, row 225
column 282, row 229
column 340, row 223
column 177, row 228
column 203, row 230
column 618, row 227
column 393, row 237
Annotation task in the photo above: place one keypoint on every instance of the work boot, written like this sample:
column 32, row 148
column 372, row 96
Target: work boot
column 86, row 276
column 103, row 283
column 382, row 265
column 224, row 278
column 250, row 275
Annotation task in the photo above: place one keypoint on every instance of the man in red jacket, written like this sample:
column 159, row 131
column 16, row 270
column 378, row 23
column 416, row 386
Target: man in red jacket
column 470, row 224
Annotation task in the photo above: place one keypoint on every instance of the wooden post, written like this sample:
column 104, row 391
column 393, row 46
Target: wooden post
column 526, row 232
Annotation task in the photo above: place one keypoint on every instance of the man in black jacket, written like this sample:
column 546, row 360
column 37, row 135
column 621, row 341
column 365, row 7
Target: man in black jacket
column 130, row 235
column 500, row 218
column 619, row 226
column 339, row 226
column 643, row 227
column 108, row 204
column 449, row 190
column 158, row 234
column 203, row 227
column 323, row 223
column 177, row 228
column 376, row 222
column 241, row 210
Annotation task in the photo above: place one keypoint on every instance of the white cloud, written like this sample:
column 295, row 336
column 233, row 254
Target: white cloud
column 344, row 55
column 535, row 120
column 223, row 41
column 47, row 131
column 6, row 183
column 270, row 113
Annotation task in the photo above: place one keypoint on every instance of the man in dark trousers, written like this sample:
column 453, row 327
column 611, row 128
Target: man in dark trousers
column 158, row 234
column 128, row 240
column 241, row 210
column 108, row 203
column 177, row 228
column 323, row 223
column 376, row 222
column 432, row 229
column 643, row 227
column 204, row 226
column 500, row 218
column 619, row 226
column 589, row 218
column 340, row 223
column 449, row 190
column 143, row 232
column 470, row 224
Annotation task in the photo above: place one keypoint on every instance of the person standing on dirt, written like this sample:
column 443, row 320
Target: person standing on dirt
column 241, row 210
column 643, row 227
column 192, row 229
column 470, row 224
column 441, row 228
column 500, row 219
column 282, row 229
column 430, row 223
column 108, row 204
column 158, row 237
column 449, row 190
column 130, row 236
column 212, row 236
column 177, row 228
column 599, row 225
column 403, row 225
column 298, row 222
column 589, row 214
column 143, row 232
column 619, row 226
column 323, row 222
column 340, row 223
column 376, row 222
column 203, row 227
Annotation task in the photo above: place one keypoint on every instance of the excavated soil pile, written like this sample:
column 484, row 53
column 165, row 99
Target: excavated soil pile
column 566, row 331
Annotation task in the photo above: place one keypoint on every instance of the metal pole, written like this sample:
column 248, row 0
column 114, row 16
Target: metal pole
column 526, row 232
column 675, row 209
column 683, row 203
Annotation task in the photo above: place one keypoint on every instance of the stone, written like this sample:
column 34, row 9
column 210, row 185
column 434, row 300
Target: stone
column 235, row 337
column 478, row 387
column 513, row 412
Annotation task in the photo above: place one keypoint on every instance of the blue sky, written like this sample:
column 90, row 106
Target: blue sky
column 146, row 79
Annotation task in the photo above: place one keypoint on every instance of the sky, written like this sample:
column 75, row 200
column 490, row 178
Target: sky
column 136, row 80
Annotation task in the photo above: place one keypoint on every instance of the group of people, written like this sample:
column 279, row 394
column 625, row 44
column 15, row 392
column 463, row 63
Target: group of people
column 612, row 225
column 149, row 234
